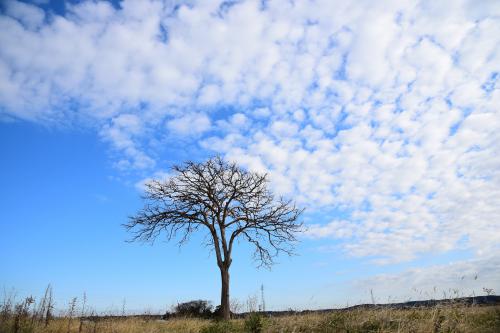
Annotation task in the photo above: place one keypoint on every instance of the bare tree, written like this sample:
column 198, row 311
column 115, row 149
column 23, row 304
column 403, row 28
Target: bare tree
column 227, row 202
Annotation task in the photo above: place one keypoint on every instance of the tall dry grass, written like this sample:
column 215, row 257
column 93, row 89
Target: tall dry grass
column 31, row 316
column 437, row 319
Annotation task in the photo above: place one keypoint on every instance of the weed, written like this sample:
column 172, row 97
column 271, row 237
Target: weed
column 254, row 323
column 219, row 327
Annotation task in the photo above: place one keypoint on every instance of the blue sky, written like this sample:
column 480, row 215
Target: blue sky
column 381, row 119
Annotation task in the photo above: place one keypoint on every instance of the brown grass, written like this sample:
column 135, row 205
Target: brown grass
column 438, row 319
column 457, row 318
column 29, row 316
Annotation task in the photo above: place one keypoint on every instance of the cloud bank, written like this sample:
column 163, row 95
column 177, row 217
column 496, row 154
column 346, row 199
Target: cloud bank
column 387, row 112
column 462, row 279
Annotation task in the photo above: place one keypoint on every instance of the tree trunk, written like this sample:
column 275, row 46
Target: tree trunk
column 224, row 295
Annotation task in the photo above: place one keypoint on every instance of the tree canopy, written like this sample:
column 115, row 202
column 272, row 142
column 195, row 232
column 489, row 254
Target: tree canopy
column 225, row 200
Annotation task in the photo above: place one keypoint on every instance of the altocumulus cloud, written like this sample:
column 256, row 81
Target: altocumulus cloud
column 386, row 111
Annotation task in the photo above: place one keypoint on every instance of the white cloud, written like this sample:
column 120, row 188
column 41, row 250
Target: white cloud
column 189, row 124
column 455, row 279
column 386, row 110
column 339, row 229
column 30, row 16
column 123, row 133
column 210, row 94
column 158, row 175
column 261, row 112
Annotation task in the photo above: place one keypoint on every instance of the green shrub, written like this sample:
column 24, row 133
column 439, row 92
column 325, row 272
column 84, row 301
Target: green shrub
column 219, row 327
column 254, row 323
column 197, row 308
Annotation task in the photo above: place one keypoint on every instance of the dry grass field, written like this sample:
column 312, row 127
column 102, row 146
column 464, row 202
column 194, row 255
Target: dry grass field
column 450, row 318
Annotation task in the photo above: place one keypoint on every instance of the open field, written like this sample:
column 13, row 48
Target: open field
column 449, row 318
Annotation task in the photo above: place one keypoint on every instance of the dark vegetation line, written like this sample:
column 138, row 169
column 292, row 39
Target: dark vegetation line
column 490, row 300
